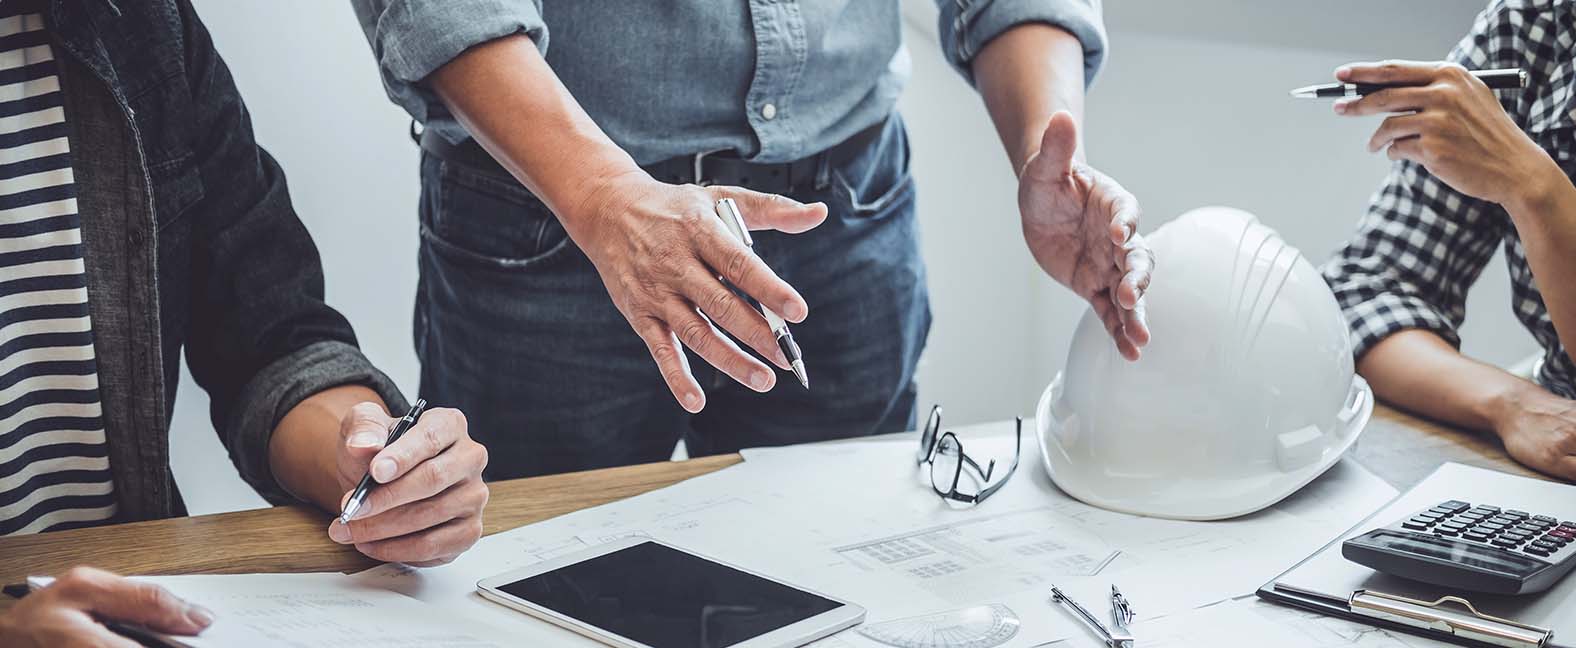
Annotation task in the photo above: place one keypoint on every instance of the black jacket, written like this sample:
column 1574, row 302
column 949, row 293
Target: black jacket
column 190, row 243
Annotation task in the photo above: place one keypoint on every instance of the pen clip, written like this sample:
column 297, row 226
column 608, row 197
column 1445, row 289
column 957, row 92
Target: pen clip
column 1081, row 613
column 728, row 211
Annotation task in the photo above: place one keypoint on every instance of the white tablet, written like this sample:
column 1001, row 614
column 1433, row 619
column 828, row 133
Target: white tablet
column 640, row 593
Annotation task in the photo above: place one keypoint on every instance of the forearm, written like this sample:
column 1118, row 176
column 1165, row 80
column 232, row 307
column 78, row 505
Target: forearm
column 1025, row 75
column 306, row 443
column 1545, row 219
column 1419, row 371
column 507, row 97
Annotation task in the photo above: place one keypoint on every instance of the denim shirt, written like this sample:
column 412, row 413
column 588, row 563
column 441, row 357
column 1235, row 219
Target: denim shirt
column 773, row 80
column 191, row 244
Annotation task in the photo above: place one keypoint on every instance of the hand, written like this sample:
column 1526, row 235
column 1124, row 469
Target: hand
column 661, row 249
column 1538, row 429
column 70, row 613
column 428, row 506
column 1452, row 124
column 1083, row 230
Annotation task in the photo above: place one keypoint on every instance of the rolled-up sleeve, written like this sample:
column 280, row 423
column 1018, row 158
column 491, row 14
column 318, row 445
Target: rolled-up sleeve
column 412, row 38
column 1416, row 252
column 966, row 26
column 278, row 388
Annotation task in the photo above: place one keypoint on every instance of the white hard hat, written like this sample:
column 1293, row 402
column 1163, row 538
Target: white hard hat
column 1245, row 394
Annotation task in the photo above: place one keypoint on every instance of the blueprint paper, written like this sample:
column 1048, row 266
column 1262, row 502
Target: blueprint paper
column 858, row 520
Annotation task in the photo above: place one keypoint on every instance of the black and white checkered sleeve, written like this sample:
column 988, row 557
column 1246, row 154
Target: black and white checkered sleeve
column 1422, row 244
column 1416, row 252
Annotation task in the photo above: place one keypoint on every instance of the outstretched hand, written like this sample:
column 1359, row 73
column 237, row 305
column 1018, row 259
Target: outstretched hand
column 1082, row 228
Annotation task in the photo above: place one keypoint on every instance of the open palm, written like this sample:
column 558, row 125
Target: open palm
column 1082, row 228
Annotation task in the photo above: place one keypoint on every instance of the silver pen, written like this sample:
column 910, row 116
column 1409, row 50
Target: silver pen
column 1121, row 610
column 1118, row 638
column 728, row 211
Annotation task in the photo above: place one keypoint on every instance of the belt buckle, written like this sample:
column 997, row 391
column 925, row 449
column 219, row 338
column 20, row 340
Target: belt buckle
column 699, row 166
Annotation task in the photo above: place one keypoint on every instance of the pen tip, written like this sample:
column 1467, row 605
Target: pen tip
column 801, row 374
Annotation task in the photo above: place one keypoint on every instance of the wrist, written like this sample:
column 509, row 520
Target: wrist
column 1501, row 406
column 1545, row 187
column 593, row 203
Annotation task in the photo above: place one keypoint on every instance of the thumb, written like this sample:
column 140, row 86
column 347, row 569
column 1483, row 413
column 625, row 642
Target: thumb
column 1057, row 147
column 108, row 596
column 363, row 431
column 772, row 211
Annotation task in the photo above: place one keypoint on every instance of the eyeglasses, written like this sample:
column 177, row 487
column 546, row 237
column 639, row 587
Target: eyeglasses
column 944, row 452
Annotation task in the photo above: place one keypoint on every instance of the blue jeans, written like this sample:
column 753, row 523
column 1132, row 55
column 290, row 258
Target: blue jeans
column 514, row 327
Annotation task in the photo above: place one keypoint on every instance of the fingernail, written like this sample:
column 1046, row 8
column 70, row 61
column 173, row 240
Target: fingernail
column 760, row 380
column 794, row 311
column 383, row 469
column 199, row 616
column 692, row 402
column 364, row 440
column 338, row 533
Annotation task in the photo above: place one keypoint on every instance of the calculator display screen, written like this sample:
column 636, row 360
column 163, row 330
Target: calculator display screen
column 1463, row 553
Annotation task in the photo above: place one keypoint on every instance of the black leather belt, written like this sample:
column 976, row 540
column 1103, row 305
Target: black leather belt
column 720, row 167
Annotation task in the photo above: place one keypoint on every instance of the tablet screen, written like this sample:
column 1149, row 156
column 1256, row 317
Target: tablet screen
column 663, row 597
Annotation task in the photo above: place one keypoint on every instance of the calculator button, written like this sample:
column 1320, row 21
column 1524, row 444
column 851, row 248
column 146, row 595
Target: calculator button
column 1563, row 533
column 1476, row 535
column 1545, row 545
column 1516, row 514
column 1502, row 542
column 1490, row 510
column 1431, row 515
column 1537, row 551
column 1555, row 540
column 1568, row 525
column 1544, row 519
column 1491, row 527
column 1531, row 531
column 1446, row 533
column 1455, row 506
column 1501, row 519
column 1517, row 537
column 1415, row 525
column 1466, row 517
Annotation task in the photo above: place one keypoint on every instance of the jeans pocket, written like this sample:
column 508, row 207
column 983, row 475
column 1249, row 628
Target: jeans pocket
column 879, row 176
column 481, row 218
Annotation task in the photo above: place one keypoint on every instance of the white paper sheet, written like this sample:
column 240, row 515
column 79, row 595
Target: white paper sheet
column 318, row 611
column 1251, row 623
column 859, row 521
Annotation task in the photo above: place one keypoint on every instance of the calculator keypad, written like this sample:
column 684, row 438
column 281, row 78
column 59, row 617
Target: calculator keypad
column 1510, row 529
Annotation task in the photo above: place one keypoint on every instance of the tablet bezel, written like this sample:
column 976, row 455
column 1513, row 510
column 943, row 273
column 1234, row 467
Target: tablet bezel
column 842, row 617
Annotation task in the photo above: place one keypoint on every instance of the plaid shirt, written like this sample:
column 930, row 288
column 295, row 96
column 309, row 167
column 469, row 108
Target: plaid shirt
column 1422, row 243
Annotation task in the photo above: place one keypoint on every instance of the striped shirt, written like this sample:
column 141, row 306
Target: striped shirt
column 54, row 461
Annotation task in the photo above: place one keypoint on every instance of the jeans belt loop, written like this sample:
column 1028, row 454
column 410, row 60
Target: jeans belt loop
column 700, row 166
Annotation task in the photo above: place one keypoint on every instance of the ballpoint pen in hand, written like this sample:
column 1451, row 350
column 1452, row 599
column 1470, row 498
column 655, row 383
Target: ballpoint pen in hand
column 728, row 211
column 359, row 496
column 1494, row 79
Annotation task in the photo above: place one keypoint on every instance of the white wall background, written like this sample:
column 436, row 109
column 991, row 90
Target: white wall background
column 1191, row 110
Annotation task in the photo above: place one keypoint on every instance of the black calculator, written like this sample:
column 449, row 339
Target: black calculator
column 1471, row 548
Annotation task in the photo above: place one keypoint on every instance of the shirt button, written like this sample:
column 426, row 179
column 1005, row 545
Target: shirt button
column 769, row 111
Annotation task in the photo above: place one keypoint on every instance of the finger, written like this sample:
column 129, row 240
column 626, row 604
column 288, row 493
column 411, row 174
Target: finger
column 362, row 432
column 1399, row 127
column 465, row 499
column 739, row 265
column 112, row 597
column 1392, row 100
column 1135, row 325
column 1058, row 148
column 461, row 462
column 671, row 363
column 1124, row 214
column 1410, row 148
column 1393, row 72
column 434, row 432
column 772, row 211
column 733, row 314
column 1138, row 265
column 1111, row 316
column 435, row 546
column 711, row 345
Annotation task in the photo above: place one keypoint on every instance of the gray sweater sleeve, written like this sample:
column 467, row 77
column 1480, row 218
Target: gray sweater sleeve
column 281, row 386
column 966, row 26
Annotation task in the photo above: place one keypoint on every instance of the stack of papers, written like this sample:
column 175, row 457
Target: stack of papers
column 859, row 521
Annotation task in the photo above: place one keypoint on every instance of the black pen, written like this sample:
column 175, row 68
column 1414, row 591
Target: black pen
column 358, row 496
column 728, row 211
column 1495, row 79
